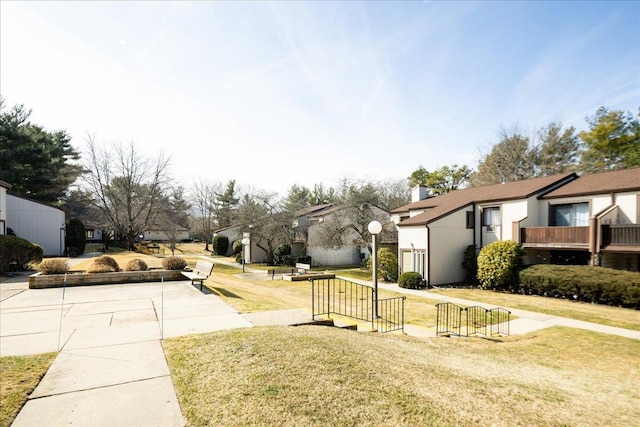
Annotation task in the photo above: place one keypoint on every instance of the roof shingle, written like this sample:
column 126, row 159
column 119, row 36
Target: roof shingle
column 439, row 206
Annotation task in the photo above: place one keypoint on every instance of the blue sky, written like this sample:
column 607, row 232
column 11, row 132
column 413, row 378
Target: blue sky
column 277, row 93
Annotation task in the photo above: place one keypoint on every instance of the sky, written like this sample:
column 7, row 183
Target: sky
column 273, row 94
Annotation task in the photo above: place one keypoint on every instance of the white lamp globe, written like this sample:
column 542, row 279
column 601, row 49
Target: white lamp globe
column 375, row 227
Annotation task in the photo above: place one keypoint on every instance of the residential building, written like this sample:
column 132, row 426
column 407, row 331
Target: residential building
column 352, row 253
column 37, row 222
column 591, row 219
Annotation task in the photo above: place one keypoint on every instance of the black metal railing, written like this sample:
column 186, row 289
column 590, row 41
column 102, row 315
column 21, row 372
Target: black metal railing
column 390, row 315
column 350, row 299
column 452, row 319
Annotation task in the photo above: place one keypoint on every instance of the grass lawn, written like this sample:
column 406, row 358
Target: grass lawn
column 293, row 376
column 19, row 376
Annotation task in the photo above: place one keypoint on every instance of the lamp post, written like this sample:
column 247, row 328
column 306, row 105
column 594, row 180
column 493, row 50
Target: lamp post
column 245, row 242
column 375, row 228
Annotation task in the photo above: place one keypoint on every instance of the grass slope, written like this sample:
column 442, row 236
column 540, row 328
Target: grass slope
column 325, row 376
column 19, row 376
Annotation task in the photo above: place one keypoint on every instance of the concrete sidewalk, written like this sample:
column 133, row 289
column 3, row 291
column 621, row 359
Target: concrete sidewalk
column 111, row 369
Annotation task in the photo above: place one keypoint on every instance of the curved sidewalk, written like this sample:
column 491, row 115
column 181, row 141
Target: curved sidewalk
column 527, row 321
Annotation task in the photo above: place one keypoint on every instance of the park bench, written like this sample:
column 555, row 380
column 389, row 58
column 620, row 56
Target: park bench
column 200, row 273
column 302, row 268
column 279, row 271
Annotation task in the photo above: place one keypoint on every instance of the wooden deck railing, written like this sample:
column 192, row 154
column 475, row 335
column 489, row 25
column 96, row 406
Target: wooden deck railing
column 551, row 235
column 621, row 235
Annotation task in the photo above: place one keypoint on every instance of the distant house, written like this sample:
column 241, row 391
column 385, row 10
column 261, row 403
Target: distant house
column 4, row 187
column 591, row 219
column 309, row 228
column 252, row 253
column 160, row 234
column 37, row 222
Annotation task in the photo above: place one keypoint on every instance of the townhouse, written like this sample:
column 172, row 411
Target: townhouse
column 570, row 219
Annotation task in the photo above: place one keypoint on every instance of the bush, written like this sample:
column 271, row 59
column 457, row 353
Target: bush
column 101, row 268
column 410, row 280
column 76, row 237
column 136, row 264
column 470, row 263
column 174, row 263
column 280, row 253
column 108, row 261
column 53, row 266
column 387, row 265
column 17, row 253
column 236, row 247
column 498, row 265
column 583, row 283
column 220, row 244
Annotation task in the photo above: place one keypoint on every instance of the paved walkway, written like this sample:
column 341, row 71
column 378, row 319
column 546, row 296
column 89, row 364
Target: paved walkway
column 111, row 369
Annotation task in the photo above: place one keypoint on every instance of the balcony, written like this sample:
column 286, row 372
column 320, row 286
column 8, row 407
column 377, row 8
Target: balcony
column 555, row 237
column 625, row 235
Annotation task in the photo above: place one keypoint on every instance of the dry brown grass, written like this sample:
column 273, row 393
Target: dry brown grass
column 596, row 313
column 19, row 376
column 324, row 376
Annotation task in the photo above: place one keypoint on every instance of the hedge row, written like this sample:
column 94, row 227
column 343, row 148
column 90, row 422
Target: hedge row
column 591, row 284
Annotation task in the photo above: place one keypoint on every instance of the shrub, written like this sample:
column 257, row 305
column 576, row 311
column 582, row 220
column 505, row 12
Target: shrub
column 17, row 253
column 101, row 268
column 220, row 244
column 470, row 263
column 136, row 264
column 107, row 261
column 236, row 247
column 583, row 283
column 387, row 265
column 76, row 237
column 410, row 280
column 53, row 266
column 239, row 258
column 174, row 263
column 280, row 253
column 498, row 265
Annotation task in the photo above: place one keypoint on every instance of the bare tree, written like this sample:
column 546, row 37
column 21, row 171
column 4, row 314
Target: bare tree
column 204, row 206
column 173, row 217
column 359, row 204
column 128, row 186
column 261, row 215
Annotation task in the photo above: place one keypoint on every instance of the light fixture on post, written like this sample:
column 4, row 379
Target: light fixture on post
column 245, row 241
column 375, row 228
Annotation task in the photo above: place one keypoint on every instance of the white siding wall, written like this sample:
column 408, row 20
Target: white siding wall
column 449, row 239
column 37, row 223
column 406, row 237
column 3, row 209
column 512, row 211
column 162, row 236
column 628, row 204
column 349, row 255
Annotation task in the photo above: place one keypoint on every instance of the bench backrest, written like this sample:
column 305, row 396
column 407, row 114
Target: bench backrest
column 203, row 268
column 302, row 268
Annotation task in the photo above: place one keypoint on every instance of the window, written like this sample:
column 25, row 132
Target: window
column 470, row 220
column 89, row 234
column 491, row 217
column 570, row 215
